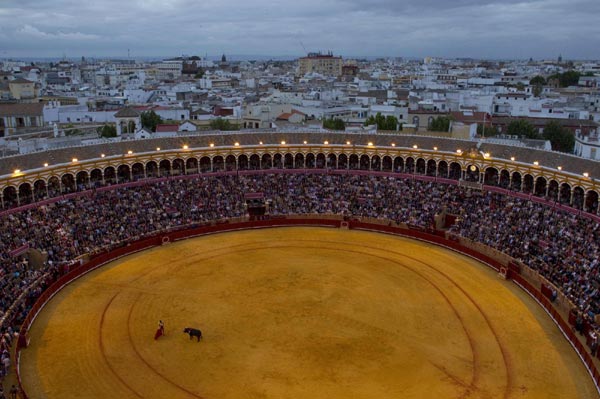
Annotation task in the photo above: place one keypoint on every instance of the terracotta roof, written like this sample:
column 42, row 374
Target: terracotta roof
column 127, row 112
column 20, row 81
column 22, row 109
column 167, row 128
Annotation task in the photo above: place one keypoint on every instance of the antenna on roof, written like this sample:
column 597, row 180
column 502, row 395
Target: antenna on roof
column 305, row 52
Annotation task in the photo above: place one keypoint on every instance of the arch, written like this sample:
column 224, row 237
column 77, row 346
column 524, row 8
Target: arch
column 288, row 161
column 387, row 164
column 299, row 161
column 320, row 161
column 54, row 188
column 472, row 173
column 455, row 171
column 96, row 178
column 123, row 174
column 415, row 121
column 332, row 161
column 376, row 162
column 578, row 198
column 278, row 161
column 399, row 164
column 25, row 194
column 553, row 190
column 490, row 176
column 420, row 166
column 152, row 169
column 230, row 162
column 409, row 166
column 205, row 165
column 177, row 167
column 504, row 181
column 218, row 163
column 164, row 168
column 68, row 183
column 353, row 162
column 442, row 169
column 82, row 180
column 254, row 162
column 364, row 163
column 343, row 161
column 40, row 189
column 9, row 195
column 591, row 202
column 516, row 181
column 138, row 171
column 243, row 163
column 266, row 161
column 540, row 187
column 564, row 194
column 431, row 169
column 191, row 166
column 527, row 184
column 310, row 160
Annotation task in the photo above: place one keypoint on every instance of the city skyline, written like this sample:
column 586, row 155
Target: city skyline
column 467, row 28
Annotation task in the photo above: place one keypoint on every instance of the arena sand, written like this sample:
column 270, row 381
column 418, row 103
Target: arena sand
column 299, row 313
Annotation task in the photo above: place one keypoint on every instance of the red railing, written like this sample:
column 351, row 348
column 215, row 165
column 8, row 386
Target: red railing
column 431, row 237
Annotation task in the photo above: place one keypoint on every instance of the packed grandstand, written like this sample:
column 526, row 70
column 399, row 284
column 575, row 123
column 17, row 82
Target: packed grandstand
column 563, row 246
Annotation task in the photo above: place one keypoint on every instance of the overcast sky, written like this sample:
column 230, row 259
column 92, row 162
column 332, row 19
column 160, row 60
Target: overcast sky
column 409, row 28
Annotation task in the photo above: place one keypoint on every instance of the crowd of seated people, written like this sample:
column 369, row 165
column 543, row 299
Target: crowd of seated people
column 562, row 247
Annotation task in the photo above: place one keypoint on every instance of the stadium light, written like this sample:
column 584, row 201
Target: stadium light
column 129, row 152
column 486, row 155
column 211, row 145
column 17, row 171
column 434, row 148
column 559, row 167
column 370, row 143
column 326, row 142
column 586, row 174
column 102, row 155
column 74, row 160
column 236, row 144
column 512, row 158
column 459, row 151
column 157, row 148
column 347, row 143
column 282, row 142
column 185, row 147
column 305, row 142
column 536, row 163
column 393, row 144
column 415, row 146
column 260, row 142
column 46, row 165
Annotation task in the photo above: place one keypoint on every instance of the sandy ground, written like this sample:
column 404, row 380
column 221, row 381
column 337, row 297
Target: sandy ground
column 299, row 313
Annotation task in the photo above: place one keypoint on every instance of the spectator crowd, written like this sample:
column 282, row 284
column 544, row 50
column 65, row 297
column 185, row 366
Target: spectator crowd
column 564, row 248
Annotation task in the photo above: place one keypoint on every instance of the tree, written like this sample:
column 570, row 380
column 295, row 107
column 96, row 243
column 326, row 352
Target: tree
column 150, row 119
column 561, row 139
column 440, row 124
column 520, row 86
column 389, row 122
column 537, row 90
column 108, row 131
column 537, row 80
column 200, row 73
column 490, row 131
column 222, row 124
column 565, row 79
column 522, row 128
column 334, row 124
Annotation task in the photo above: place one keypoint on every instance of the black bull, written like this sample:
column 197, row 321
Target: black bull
column 193, row 332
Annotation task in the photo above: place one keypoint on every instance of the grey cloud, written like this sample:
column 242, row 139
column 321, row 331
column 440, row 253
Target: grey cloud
column 486, row 28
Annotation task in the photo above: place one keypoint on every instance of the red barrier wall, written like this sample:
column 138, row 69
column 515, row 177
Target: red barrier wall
column 101, row 259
